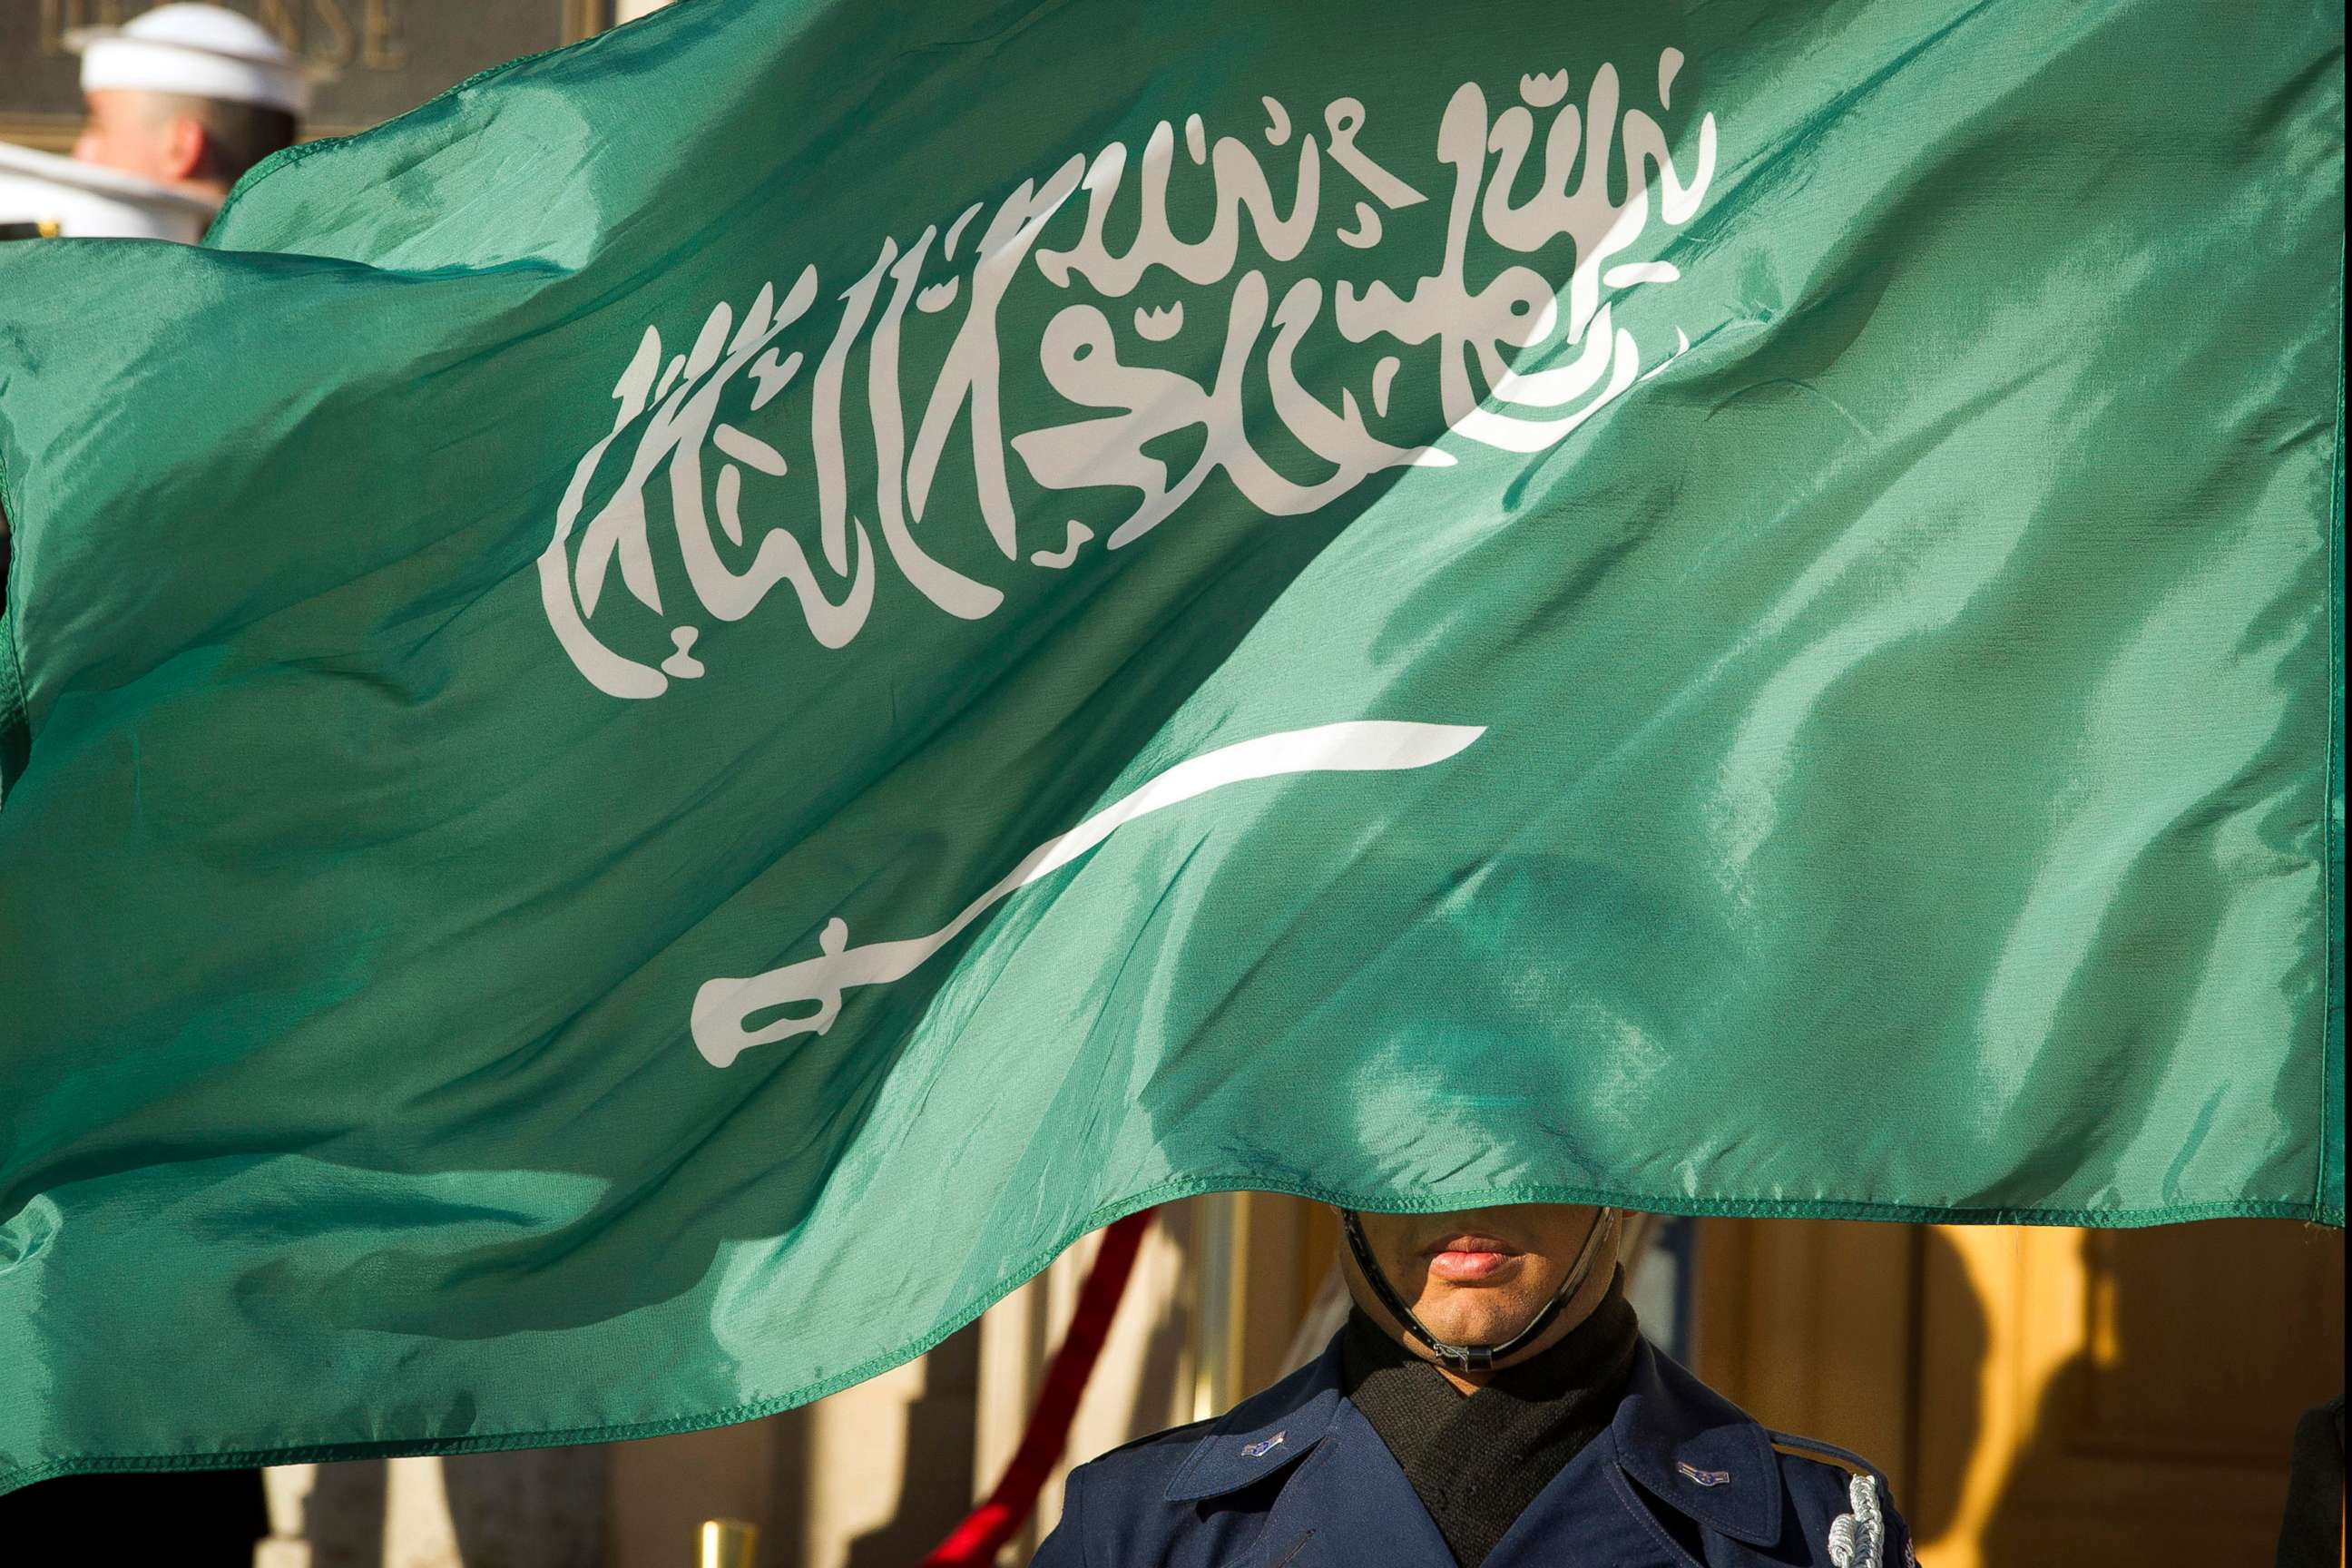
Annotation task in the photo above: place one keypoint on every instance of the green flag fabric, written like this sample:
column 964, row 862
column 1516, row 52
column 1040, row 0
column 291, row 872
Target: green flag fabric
column 667, row 721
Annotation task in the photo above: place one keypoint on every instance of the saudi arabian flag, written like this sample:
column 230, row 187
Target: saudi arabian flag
column 667, row 721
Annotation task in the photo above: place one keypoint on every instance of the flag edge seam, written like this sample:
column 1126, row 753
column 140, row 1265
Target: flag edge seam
column 752, row 1410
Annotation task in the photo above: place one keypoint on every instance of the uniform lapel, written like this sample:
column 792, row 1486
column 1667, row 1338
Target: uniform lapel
column 1580, row 1521
column 1264, row 1435
column 1698, row 1453
column 1348, row 1505
column 1675, row 1448
column 1345, row 1502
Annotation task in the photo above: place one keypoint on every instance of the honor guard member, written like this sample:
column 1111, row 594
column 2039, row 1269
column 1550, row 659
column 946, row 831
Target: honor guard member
column 1489, row 1404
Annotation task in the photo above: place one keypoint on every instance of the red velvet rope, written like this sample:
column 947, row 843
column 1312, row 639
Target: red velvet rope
column 974, row 1543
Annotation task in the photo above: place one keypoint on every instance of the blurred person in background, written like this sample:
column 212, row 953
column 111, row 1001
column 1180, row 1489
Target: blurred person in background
column 177, row 105
column 187, row 96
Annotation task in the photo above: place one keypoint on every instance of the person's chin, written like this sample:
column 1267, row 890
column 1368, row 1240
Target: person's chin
column 1491, row 1320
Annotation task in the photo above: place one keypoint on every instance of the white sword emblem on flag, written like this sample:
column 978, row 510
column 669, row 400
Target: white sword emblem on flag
column 722, row 1006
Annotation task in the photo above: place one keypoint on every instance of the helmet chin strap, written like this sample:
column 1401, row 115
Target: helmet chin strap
column 1475, row 1358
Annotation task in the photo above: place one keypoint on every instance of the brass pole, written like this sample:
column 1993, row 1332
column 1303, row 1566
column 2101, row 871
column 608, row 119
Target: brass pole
column 728, row 1544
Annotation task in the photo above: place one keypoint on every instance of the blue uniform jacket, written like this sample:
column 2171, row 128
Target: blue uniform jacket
column 1296, row 1477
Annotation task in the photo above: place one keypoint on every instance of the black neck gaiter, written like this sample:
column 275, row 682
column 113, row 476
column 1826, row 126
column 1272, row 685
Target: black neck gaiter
column 1477, row 1460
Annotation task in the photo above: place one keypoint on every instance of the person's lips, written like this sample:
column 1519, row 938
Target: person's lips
column 1469, row 1260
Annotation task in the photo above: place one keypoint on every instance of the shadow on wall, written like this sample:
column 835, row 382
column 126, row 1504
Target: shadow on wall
column 1932, row 1501
column 536, row 1507
column 2166, row 1438
column 342, row 1520
column 539, row 1507
column 935, row 1487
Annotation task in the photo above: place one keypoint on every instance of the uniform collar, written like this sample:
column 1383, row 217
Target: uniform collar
column 1673, row 1435
column 1696, row 1452
column 1264, row 1433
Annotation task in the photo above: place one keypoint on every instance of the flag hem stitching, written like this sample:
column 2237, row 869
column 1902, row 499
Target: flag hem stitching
column 2331, row 812
column 753, row 1410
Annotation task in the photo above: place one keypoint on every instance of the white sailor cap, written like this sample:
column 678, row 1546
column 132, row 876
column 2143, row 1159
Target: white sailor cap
column 202, row 51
